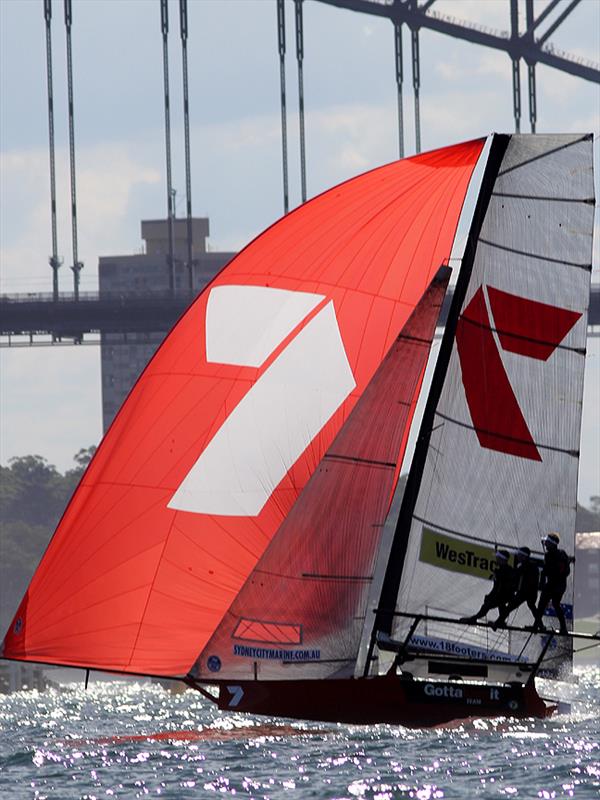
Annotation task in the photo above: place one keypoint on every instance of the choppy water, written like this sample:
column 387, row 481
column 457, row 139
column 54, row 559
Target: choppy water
column 93, row 744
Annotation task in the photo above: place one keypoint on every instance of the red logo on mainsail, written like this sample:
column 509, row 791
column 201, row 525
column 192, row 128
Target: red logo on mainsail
column 525, row 327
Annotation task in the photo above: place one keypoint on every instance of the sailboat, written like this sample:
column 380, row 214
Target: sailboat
column 242, row 526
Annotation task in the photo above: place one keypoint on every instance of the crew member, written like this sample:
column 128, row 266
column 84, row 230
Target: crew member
column 555, row 572
column 502, row 589
column 527, row 579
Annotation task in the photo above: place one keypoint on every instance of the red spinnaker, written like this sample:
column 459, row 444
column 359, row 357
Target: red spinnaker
column 135, row 581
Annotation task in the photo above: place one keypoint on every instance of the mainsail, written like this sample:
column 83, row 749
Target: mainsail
column 498, row 458
column 231, row 418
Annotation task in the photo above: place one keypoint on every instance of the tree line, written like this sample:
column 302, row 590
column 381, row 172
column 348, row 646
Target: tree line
column 33, row 496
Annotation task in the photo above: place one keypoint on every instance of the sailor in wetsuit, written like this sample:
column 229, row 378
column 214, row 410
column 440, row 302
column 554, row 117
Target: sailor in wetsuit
column 527, row 578
column 555, row 572
column 502, row 589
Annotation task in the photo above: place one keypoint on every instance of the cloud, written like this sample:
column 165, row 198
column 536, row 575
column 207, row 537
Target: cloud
column 107, row 178
column 494, row 63
column 450, row 70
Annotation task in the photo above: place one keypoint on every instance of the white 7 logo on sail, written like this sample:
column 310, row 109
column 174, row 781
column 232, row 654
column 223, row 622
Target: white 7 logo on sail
column 283, row 411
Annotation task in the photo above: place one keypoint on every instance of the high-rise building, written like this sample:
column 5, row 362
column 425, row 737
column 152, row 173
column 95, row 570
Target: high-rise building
column 123, row 356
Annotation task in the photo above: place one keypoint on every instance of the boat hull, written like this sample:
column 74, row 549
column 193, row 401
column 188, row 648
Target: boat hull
column 385, row 699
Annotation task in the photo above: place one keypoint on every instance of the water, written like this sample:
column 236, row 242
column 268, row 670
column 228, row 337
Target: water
column 126, row 740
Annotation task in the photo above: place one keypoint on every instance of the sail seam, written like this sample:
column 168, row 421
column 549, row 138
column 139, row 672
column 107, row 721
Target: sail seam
column 449, row 181
column 574, row 453
column 503, row 332
column 544, row 155
column 587, row 267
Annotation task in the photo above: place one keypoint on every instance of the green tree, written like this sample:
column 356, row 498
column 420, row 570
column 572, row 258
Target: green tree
column 32, row 491
column 33, row 496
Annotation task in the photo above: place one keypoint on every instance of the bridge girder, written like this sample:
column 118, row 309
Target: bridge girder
column 23, row 315
column 525, row 45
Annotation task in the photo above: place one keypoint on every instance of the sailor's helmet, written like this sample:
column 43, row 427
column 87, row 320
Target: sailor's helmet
column 552, row 540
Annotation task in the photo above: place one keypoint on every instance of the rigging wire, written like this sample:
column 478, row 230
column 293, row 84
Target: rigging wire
column 77, row 264
column 299, row 59
column 183, row 25
column 281, row 40
column 54, row 261
column 164, row 19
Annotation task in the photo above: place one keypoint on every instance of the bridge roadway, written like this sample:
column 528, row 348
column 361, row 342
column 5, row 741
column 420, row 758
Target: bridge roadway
column 37, row 315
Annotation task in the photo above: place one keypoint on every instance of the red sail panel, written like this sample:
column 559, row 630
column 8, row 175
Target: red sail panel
column 529, row 328
column 231, row 417
column 497, row 417
column 314, row 577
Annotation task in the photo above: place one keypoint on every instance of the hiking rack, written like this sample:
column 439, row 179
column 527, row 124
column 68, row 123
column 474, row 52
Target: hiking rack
column 404, row 652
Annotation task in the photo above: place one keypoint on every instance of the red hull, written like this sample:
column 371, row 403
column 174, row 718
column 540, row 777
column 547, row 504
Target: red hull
column 387, row 699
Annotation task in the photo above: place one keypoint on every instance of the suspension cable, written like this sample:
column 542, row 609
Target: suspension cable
column 54, row 260
column 77, row 264
column 530, row 23
column 281, row 38
column 399, row 81
column 299, row 59
column 183, row 25
column 416, row 70
column 164, row 18
column 516, row 65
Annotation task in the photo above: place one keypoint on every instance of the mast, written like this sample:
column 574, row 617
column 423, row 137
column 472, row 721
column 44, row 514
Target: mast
column 393, row 573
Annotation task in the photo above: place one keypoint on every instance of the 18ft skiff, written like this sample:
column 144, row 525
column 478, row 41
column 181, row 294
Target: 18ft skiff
column 242, row 524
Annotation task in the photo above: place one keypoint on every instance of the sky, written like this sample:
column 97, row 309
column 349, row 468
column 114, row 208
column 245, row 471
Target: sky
column 50, row 396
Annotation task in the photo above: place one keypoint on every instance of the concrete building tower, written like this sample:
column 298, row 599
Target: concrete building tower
column 123, row 356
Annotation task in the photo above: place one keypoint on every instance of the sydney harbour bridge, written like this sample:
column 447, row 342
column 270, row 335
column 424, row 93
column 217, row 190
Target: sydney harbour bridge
column 76, row 317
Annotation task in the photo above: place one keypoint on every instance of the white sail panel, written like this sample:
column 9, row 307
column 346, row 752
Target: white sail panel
column 272, row 425
column 501, row 468
column 244, row 324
